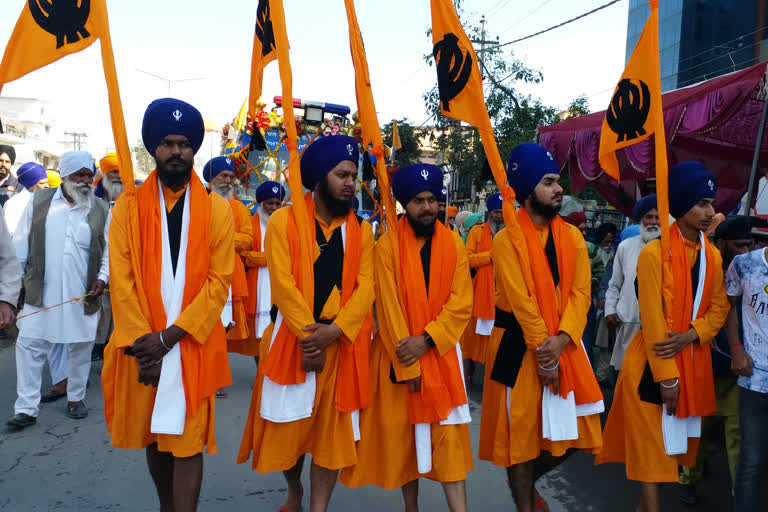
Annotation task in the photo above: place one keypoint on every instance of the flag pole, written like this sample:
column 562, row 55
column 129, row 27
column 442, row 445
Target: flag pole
column 763, row 95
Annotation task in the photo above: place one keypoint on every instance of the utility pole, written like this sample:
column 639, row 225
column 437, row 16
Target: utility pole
column 76, row 139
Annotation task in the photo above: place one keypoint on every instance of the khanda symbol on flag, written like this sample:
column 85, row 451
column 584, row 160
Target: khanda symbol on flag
column 629, row 110
column 264, row 31
column 65, row 19
column 454, row 68
column 264, row 52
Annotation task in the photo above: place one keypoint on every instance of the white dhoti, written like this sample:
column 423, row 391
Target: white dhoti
column 58, row 362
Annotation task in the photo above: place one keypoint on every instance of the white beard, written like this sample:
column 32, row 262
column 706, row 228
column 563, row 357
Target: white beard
column 112, row 189
column 496, row 227
column 648, row 233
column 262, row 213
column 605, row 253
column 225, row 191
column 80, row 193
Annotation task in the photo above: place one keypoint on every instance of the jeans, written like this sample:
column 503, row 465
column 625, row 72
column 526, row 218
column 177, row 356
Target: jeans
column 753, row 422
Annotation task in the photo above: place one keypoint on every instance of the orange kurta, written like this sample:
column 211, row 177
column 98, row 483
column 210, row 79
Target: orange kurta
column 243, row 243
column 633, row 432
column 328, row 433
column 387, row 448
column 128, row 403
column 254, row 259
column 475, row 346
column 511, row 430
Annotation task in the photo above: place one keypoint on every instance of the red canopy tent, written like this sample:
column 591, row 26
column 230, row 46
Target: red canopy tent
column 715, row 122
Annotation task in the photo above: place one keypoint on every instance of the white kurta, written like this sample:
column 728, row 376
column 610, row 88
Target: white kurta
column 67, row 251
column 14, row 208
column 621, row 299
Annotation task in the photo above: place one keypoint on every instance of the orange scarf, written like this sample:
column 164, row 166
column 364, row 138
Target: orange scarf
column 442, row 386
column 485, row 281
column 239, row 282
column 575, row 372
column 697, row 395
column 202, row 361
column 283, row 363
column 252, row 274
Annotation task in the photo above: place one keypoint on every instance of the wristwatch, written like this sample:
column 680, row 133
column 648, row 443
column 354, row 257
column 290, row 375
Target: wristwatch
column 428, row 339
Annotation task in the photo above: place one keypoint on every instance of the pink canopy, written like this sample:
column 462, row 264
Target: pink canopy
column 715, row 122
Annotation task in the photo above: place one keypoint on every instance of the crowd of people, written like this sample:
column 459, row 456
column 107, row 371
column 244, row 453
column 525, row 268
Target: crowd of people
column 365, row 343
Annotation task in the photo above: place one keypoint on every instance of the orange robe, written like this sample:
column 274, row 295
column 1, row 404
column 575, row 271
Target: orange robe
column 254, row 259
column 475, row 346
column 633, row 432
column 328, row 433
column 511, row 429
column 387, row 448
column 240, row 291
column 128, row 403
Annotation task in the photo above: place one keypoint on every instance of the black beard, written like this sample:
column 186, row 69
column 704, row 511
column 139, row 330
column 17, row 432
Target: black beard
column 545, row 210
column 337, row 207
column 420, row 229
column 173, row 178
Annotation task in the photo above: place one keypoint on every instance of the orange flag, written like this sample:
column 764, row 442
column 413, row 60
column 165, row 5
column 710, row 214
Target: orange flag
column 636, row 113
column 264, row 52
column 396, row 144
column 461, row 96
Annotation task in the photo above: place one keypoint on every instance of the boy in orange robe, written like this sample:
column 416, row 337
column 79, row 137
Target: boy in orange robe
column 541, row 398
column 417, row 424
column 666, row 385
column 313, row 374
column 168, row 353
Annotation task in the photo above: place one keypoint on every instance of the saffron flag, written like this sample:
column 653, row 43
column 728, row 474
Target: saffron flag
column 264, row 52
column 242, row 118
column 461, row 97
column 636, row 113
column 396, row 144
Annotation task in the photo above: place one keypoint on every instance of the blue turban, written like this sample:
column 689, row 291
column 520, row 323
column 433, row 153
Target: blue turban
column 355, row 203
column 689, row 183
column 527, row 165
column 442, row 196
column 324, row 154
column 629, row 232
column 270, row 190
column 215, row 166
column 412, row 180
column 643, row 206
column 494, row 202
column 169, row 116
column 30, row 174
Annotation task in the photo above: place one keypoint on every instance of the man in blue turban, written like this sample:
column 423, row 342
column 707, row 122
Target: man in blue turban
column 315, row 420
column 31, row 176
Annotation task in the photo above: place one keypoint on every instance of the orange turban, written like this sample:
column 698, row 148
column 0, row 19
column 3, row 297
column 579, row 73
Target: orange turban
column 452, row 211
column 109, row 163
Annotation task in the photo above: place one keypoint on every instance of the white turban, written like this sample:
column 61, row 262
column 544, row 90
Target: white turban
column 73, row 161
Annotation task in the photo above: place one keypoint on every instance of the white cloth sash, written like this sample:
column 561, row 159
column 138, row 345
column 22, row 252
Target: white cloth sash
column 264, row 291
column 484, row 327
column 423, row 431
column 676, row 431
column 170, row 409
column 558, row 414
column 226, row 313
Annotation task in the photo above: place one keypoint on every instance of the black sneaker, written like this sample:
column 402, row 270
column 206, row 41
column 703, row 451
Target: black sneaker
column 77, row 410
column 21, row 421
column 687, row 494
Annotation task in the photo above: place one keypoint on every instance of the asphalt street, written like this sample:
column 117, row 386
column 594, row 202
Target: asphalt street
column 62, row 464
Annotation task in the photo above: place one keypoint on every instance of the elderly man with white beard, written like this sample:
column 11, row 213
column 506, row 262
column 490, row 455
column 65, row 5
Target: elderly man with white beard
column 61, row 247
column 622, row 311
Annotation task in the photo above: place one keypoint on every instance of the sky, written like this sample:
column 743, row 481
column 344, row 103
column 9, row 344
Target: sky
column 211, row 41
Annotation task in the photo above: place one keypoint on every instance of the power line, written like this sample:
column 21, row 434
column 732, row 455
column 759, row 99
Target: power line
column 724, row 44
column 531, row 13
column 596, row 9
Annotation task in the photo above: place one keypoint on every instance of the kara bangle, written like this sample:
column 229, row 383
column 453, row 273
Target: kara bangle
column 670, row 387
column 557, row 365
column 162, row 341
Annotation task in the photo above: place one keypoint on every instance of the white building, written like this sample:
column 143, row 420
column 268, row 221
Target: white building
column 29, row 126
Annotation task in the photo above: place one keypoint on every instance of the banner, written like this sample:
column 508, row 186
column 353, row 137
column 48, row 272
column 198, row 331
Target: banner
column 264, row 52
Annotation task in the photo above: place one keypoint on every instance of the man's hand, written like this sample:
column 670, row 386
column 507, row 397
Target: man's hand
column 676, row 342
column 613, row 321
column 7, row 315
column 148, row 349
column 669, row 396
column 741, row 364
column 313, row 363
column 548, row 352
column 322, row 336
column 97, row 288
column 410, row 349
column 548, row 378
column 601, row 304
column 414, row 384
column 150, row 375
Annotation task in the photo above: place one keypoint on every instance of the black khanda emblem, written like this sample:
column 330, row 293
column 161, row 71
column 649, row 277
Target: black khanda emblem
column 453, row 68
column 65, row 19
column 264, row 28
column 629, row 109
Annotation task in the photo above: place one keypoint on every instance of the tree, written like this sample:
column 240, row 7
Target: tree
column 144, row 161
column 411, row 149
column 579, row 107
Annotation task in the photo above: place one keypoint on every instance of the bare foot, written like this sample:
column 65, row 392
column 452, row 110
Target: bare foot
column 293, row 501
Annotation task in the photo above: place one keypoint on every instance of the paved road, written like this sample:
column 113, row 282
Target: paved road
column 66, row 465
